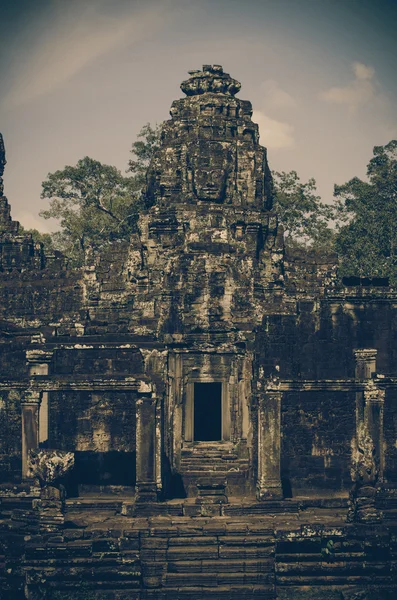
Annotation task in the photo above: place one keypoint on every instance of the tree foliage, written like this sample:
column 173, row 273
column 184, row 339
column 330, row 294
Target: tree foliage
column 142, row 151
column 305, row 218
column 94, row 203
column 367, row 241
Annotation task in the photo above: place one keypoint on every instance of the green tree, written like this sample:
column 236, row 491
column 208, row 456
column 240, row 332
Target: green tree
column 142, row 151
column 94, row 203
column 367, row 241
column 305, row 218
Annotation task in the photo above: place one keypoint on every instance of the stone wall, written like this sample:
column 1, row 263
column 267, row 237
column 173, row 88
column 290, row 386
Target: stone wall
column 317, row 340
column 317, row 433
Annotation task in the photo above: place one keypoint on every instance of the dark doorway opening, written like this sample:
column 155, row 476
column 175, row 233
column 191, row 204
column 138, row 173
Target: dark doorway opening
column 207, row 412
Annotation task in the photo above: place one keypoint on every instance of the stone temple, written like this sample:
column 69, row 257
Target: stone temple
column 197, row 413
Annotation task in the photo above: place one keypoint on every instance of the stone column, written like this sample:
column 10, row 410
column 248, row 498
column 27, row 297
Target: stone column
column 367, row 453
column 370, row 403
column 374, row 401
column 365, row 363
column 30, row 405
column 269, row 438
column 146, row 487
column 365, row 367
column 38, row 362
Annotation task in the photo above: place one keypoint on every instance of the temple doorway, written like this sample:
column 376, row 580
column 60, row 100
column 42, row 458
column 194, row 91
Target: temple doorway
column 207, row 412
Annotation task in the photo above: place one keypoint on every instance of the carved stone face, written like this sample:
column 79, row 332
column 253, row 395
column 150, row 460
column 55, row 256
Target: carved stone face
column 211, row 166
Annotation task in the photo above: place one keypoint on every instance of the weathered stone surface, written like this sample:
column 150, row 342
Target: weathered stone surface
column 49, row 466
column 196, row 361
column 364, row 474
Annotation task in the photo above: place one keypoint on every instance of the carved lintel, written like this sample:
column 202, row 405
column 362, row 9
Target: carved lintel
column 365, row 354
column 39, row 356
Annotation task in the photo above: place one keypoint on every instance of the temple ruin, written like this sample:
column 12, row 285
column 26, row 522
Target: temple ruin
column 197, row 412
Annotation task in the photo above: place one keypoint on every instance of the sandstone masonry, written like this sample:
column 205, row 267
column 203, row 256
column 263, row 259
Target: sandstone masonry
column 218, row 415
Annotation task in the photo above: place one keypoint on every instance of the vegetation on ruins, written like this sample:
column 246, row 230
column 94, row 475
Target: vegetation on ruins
column 367, row 241
column 142, row 151
column 306, row 220
column 94, row 203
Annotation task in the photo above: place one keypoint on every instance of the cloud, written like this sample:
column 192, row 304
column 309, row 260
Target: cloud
column 274, row 134
column 362, row 71
column 360, row 90
column 76, row 34
column 275, row 97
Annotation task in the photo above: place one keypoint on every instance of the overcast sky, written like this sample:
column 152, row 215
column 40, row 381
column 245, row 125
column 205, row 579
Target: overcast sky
column 81, row 77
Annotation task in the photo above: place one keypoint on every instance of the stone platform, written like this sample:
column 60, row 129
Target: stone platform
column 107, row 549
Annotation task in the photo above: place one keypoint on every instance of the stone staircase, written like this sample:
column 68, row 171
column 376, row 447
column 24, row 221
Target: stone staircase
column 354, row 555
column 216, row 559
column 218, row 461
column 157, row 558
column 249, row 552
column 386, row 501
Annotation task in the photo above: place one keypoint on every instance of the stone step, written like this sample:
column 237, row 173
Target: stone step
column 226, row 592
column 93, row 504
column 212, row 463
column 201, row 453
column 389, row 515
column 209, row 455
column 122, row 586
column 211, row 579
column 335, row 568
column 362, row 580
column 221, row 468
column 103, row 573
column 223, row 464
column 222, row 566
column 191, row 543
column 261, row 508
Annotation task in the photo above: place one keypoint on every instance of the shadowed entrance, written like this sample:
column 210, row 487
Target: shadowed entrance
column 207, row 411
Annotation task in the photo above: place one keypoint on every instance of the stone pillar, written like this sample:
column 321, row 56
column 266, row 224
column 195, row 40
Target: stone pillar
column 269, row 439
column 30, row 405
column 374, row 401
column 367, row 453
column 365, row 363
column 370, row 403
column 146, row 487
column 38, row 362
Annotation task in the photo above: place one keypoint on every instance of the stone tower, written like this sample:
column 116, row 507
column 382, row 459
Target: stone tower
column 210, row 241
column 17, row 250
column 206, row 269
column 210, row 148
